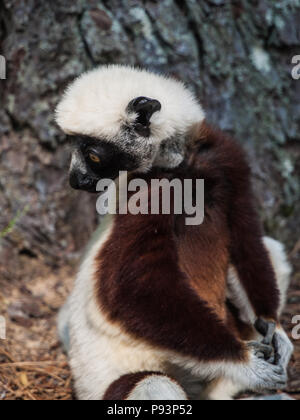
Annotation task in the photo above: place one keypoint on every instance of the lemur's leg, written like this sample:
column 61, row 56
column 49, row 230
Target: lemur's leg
column 145, row 386
column 237, row 295
column 221, row 390
column 225, row 389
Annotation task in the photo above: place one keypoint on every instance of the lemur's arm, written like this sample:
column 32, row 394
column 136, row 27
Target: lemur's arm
column 142, row 289
column 226, row 158
column 256, row 274
column 249, row 255
column 248, row 252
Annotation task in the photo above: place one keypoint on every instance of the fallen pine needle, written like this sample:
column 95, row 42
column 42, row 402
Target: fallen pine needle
column 24, row 364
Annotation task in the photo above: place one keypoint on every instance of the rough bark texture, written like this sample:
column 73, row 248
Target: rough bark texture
column 235, row 53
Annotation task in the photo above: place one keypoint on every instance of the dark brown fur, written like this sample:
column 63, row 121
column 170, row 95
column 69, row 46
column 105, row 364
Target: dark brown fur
column 247, row 250
column 164, row 282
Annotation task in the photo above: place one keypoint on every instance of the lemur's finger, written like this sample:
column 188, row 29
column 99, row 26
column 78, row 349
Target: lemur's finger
column 261, row 326
column 270, row 333
column 276, row 348
column 267, row 350
column 266, row 329
column 262, row 351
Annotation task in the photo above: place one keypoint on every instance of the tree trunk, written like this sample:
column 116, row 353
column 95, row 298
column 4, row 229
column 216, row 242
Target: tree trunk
column 236, row 55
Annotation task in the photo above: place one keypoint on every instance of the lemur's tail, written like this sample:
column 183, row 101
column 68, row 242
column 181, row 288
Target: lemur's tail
column 145, row 386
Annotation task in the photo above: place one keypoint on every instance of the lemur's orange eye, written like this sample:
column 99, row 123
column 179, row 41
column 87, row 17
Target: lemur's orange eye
column 94, row 158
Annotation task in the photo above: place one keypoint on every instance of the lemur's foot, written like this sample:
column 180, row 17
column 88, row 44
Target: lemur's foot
column 275, row 336
column 283, row 348
column 260, row 373
column 261, row 350
column 268, row 330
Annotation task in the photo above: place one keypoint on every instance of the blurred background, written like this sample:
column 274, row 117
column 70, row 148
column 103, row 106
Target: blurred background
column 237, row 56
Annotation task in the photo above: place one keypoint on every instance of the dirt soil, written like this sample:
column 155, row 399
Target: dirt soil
column 32, row 364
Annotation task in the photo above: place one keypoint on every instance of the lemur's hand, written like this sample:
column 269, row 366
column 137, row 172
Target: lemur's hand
column 260, row 350
column 275, row 336
column 259, row 374
column 284, row 348
column 266, row 329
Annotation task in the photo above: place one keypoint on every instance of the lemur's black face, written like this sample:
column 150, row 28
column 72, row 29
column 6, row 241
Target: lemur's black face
column 94, row 159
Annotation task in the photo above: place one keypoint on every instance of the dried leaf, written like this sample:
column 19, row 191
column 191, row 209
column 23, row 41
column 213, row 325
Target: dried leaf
column 24, row 379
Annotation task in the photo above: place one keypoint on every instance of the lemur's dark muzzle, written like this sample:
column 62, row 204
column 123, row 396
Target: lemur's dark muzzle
column 83, row 182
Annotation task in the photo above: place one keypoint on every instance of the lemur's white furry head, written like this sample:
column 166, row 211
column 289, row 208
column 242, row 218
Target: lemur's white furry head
column 96, row 103
column 138, row 116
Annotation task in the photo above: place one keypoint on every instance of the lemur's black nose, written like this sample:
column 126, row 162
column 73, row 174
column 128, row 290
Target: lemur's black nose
column 80, row 181
column 74, row 181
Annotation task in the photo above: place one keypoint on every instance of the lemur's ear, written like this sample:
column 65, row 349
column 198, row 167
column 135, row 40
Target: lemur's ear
column 145, row 108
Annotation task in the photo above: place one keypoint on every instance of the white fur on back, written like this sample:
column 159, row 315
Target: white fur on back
column 96, row 103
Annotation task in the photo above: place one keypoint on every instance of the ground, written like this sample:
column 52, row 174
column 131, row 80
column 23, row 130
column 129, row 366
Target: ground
column 32, row 364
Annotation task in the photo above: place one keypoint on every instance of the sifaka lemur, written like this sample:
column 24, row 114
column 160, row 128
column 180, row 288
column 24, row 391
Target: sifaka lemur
column 162, row 310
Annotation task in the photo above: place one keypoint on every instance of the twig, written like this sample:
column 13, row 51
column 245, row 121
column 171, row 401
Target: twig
column 296, row 249
column 4, row 353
